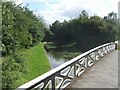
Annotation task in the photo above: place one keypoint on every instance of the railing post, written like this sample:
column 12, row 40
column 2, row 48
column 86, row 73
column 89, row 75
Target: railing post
column 75, row 68
column 53, row 83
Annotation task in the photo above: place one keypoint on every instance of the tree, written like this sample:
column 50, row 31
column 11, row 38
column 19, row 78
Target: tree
column 86, row 31
column 21, row 29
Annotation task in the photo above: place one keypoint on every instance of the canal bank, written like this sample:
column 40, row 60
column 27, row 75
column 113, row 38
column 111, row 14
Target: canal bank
column 36, row 62
column 58, row 55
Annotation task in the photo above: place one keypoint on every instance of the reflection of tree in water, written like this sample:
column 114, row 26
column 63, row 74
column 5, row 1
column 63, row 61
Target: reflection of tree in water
column 55, row 58
column 63, row 54
column 60, row 54
column 56, row 54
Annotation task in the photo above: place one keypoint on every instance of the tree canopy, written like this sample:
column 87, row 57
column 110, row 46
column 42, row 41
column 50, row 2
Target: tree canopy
column 86, row 31
column 20, row 27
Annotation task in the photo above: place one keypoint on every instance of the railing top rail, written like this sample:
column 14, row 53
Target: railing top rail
column 53, row 71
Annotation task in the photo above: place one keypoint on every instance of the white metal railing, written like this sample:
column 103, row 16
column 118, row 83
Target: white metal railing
column 61, row 76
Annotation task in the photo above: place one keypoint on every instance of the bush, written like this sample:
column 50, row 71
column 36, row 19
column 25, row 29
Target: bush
column 12, row 68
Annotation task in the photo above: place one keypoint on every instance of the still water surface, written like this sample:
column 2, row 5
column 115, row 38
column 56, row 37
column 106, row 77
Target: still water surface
column 55, row 58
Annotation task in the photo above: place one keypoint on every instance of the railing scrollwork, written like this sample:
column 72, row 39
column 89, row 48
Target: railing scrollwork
column 61, row 76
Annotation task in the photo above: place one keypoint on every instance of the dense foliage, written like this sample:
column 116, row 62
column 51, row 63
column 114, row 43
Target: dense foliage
column 21, row 29
column 85, row 31
column 12, row 68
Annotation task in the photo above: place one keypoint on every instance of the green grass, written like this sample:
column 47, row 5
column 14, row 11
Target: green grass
column 37, row 63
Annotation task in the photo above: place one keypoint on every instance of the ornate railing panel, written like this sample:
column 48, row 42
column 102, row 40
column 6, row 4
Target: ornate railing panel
column 61, row 76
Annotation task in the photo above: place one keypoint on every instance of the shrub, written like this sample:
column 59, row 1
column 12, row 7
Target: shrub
column 12, row 68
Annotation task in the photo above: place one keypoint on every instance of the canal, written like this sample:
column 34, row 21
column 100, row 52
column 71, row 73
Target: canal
column 55, row 58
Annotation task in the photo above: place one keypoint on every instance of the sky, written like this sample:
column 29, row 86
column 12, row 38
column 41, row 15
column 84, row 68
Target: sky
column 61, row 10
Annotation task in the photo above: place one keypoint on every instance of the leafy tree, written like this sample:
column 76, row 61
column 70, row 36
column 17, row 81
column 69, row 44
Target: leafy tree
column 21, row 29
column 86, row 31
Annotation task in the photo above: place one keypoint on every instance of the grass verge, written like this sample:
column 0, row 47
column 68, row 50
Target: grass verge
column 37, row 63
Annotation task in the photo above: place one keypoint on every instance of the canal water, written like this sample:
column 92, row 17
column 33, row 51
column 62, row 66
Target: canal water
column 55, row 58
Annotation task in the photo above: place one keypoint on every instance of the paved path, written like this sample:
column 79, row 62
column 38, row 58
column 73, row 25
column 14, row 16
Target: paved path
column 103, row 74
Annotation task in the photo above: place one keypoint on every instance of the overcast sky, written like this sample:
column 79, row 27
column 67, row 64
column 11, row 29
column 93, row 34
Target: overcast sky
column 52, row 10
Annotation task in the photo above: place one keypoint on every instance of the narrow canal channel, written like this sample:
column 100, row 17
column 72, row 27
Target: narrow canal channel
column 59, row 55
column 55, row 58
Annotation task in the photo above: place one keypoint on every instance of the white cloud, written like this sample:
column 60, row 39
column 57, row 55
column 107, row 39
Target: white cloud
column 51, row 16
column 67, row 9
column 72, row 8
column 17, row 1
column 99, row 7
